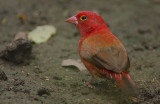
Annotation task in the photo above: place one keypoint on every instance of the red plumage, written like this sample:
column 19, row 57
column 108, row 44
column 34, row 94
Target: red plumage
column 101, row 52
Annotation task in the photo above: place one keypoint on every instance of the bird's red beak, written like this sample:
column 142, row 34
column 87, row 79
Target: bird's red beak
column 73, row 20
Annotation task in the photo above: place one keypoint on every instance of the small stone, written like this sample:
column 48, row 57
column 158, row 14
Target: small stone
column 3, row 75
column 43, row 91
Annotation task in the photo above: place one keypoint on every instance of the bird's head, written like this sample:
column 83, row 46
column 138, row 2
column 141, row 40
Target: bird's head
column 88, row 22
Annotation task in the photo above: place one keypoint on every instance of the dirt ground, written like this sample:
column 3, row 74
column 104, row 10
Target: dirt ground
column 44, row 81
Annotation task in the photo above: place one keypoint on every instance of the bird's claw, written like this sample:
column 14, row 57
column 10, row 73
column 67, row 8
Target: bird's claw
column 134, row 99
column 88, row 84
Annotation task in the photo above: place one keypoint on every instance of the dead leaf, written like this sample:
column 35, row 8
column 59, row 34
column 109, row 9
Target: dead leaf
column 4, row 21
column 41, row 34
column 22, row 18
column 77, row 63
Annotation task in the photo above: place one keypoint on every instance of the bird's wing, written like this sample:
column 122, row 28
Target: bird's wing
column 105, row 52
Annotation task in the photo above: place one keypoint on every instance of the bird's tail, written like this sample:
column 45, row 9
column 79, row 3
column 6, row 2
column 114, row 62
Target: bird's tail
column 125, row 82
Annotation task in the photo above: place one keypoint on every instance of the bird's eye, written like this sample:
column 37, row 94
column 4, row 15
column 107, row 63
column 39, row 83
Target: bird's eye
column 83, row 18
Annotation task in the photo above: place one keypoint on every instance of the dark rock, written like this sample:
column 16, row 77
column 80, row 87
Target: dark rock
column 43, row 91
column 17, row 51
column 3, row 75
column 57, row 78
column 143, row 31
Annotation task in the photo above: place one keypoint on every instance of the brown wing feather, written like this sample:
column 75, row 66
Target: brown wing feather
column 108, row 56
column 109, row 60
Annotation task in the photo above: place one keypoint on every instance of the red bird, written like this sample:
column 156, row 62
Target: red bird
column 101, row 52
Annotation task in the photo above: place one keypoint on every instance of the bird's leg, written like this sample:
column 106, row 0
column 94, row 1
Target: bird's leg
column 89, row 83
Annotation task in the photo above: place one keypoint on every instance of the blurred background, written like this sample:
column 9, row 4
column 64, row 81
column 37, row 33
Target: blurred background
column 43, row 80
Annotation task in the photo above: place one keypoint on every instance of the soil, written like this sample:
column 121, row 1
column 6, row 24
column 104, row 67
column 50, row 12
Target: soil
column 44, row 81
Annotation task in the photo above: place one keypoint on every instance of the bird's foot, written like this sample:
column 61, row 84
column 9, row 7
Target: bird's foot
column 88, row 84
column 115, row 85
column 134, row 99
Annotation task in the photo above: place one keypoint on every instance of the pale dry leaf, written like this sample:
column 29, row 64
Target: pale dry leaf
column 42, row 34
column 77, row 63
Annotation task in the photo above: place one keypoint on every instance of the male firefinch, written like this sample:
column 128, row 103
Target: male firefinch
column 101, row 52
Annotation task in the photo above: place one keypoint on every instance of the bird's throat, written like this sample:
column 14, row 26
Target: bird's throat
column 94, row 30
